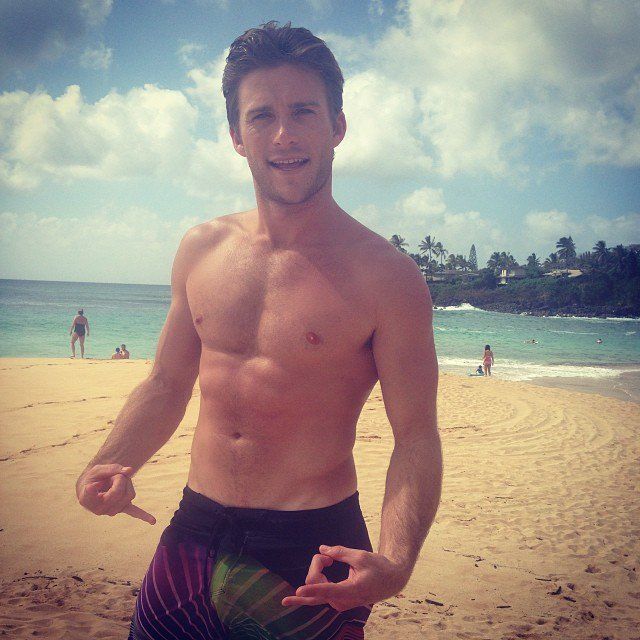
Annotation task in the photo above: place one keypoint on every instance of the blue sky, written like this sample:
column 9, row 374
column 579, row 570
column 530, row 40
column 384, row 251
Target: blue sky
column 503, row 124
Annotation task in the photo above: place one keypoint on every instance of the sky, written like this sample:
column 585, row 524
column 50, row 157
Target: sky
column 504, row 124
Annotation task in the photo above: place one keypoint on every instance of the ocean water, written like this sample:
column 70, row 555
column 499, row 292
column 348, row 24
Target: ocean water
column 35, row 318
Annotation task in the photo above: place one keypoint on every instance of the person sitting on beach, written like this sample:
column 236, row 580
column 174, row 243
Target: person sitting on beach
column 487, row 360
column 288, row 338
column 79, row 326
column 479, row 370
column 124, row 352
column 117, row 355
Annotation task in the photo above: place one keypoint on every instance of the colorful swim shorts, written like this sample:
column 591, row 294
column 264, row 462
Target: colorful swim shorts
column 222, row 572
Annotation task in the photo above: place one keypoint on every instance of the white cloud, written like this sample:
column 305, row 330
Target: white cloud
column 188, row 51
column 146, row 132
column 98, row 58
column 207, row 89
column 97, row 247
column 544, row 228
column 491, row 77
column 548, row 226
column 620, row 230
column 424, row 212
column 372, row 147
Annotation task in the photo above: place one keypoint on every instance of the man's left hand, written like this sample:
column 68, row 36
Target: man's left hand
column 372, row 578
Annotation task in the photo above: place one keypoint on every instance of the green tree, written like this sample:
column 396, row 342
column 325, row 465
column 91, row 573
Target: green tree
column 427, row 245
column 601, row 253
column 551, row 262
column 566, row 251
column 494, row 261
column 533, row 268
column 440, row 252
column 398, row 242
column 473, row 258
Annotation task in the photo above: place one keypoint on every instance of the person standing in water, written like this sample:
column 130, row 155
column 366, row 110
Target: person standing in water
column 487, row 360
column 79, row 327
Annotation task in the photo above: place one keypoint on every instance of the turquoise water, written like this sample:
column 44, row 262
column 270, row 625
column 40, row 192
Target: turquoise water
column 35, row 318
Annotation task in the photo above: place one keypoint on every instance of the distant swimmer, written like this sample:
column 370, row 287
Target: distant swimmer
column 599, row 341
column 79, row 327
column 117, row 355
column 487, row 360
column 124, row 352
column 532, row 341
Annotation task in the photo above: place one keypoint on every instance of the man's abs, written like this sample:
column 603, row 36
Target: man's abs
column 271, row 436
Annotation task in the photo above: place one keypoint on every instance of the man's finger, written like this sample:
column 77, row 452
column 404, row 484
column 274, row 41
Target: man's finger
column 93, row 488
column 118, row 487
column 103, row 471
column 292, row 601
column 325, row 590
column 139, row 513
column 318, row 563
column 353, row 557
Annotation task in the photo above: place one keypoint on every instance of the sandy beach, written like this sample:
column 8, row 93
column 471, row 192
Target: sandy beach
column 537, row 536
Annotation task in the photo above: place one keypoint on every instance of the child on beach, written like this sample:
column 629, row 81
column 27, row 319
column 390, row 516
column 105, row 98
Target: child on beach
column 487, row 360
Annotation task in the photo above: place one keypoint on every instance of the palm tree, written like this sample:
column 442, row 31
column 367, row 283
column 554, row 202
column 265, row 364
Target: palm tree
column 619, row 253
column 427, row 245
column 566, row 250
column 533, row 261
column 551, row 262
column 600, row 252
column 441, row 252
column 398, row 242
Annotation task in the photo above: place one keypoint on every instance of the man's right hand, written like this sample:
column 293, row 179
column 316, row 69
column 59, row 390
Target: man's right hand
column 106, row 489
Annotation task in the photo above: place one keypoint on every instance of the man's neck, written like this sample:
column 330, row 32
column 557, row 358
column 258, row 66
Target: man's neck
column 297, row 225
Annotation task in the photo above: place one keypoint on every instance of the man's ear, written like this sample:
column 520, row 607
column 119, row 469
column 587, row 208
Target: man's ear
column 237, row 141
column 339, row 129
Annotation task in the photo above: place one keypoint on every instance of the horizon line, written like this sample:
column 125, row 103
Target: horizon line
column 133, row 284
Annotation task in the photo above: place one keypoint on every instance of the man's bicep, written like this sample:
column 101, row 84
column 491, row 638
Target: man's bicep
column 178, row 352
column 405, row 356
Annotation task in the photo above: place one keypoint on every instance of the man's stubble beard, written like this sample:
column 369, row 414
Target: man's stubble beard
column 265, row 187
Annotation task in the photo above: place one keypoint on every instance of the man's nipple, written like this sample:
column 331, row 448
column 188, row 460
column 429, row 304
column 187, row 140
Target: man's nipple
column 199, row 319
column 313, row 338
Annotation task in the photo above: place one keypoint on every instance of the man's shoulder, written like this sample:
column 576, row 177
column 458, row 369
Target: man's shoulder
column 383, row 261
column 208, row 234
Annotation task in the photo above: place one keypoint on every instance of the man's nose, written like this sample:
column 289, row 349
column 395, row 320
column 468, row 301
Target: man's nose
column 286, row 133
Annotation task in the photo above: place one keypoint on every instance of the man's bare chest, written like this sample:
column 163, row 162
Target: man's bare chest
column 286, row 306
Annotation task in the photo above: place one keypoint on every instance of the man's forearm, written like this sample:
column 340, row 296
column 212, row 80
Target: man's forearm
column 146, row 421
column 412, row 495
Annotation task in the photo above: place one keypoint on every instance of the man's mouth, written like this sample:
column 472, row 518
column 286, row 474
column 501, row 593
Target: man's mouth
column 289, row 164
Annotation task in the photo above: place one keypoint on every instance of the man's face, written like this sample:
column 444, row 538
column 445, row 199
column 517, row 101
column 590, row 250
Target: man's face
column 286, row 132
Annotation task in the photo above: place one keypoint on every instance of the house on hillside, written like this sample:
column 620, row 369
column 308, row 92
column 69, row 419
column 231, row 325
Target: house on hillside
column 515, row 273
column 563, row 273
column 451, row 274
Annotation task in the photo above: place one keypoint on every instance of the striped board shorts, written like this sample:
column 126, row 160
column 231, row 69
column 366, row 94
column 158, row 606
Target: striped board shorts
column 222, row 572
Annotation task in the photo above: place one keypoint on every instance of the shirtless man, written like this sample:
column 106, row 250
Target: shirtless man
column 79, row 326
column 289, row 313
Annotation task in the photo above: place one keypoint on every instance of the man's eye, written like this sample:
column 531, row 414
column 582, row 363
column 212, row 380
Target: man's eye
column 304, row 111
column 260, row 116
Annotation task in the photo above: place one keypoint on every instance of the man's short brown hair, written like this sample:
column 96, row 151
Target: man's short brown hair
column 269, row 46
